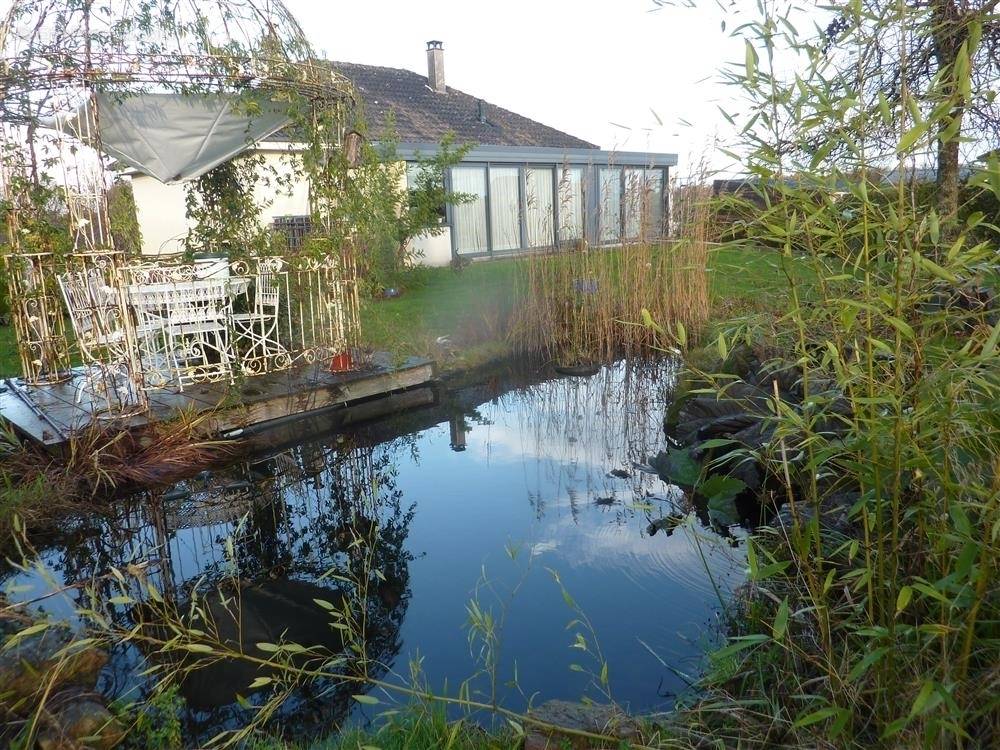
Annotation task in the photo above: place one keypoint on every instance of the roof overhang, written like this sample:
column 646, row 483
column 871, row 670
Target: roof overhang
column 544, row 155
column 513, row 154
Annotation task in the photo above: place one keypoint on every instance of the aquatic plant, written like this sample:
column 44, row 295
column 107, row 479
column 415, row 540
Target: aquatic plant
column 38, row 486
column 584, row 305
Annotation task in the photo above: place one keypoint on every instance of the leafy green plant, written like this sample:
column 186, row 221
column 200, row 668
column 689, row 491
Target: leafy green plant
column 881, row 633
column 153, row 724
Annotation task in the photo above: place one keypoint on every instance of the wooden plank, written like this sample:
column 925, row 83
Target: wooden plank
column 27, row 423
column 270, row 437
column 261, row 399
column 280, row 406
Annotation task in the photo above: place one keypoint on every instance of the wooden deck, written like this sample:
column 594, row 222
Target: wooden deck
column 49, row 415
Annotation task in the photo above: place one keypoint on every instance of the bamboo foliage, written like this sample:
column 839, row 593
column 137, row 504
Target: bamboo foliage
column 880, row 630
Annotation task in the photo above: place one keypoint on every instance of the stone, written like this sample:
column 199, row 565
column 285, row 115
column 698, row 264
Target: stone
column 602, row 719
column 22, row 665
column 80, row 721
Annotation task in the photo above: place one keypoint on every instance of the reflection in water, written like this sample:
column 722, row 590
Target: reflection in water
column 398, row 530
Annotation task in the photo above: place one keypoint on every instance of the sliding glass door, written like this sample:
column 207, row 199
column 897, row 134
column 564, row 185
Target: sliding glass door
column 469, row 219
column 505, row 208
column 570, row 204
column 610, row 208
column 538, row 206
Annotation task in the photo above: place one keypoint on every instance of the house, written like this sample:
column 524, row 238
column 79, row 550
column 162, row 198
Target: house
column 534, row 186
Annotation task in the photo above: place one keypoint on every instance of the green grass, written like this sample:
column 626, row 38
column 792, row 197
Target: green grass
column 469, row 306
column 416, row 728
column 9, row 362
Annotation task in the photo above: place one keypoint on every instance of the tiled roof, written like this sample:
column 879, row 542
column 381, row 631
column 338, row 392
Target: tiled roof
column 424, row 115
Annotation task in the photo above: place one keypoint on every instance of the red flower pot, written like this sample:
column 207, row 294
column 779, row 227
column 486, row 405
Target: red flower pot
column 342, row 362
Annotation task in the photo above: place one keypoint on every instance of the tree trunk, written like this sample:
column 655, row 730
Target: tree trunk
column 949, row 32
column 947, row 180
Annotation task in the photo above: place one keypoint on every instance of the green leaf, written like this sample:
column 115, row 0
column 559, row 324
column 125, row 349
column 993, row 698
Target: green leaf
column 738, row 644
column 715, row 443
column 679, row 468
column 934, row 226
column 883, row 108
column 936, row 270
column 991, row 343
column 721, row 491
column 366, row 699
column 926, row 699
column 910, row 137
column 260, row 682
column 647, row 320
column 750, row 62
column 905, row 594
column 859, row 669
column 900, row 325
column 816, row 716
column 781, row 620
column 198, row 648
column 516, row 727
column 895, row 727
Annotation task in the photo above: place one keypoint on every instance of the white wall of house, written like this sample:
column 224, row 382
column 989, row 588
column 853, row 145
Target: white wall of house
column 433, row 250
column 161, row 211
column 162, row 219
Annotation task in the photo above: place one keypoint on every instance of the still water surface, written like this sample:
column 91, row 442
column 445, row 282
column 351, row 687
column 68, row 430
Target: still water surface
column 487, row 497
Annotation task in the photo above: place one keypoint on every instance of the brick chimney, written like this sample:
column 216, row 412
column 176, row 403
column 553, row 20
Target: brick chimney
column 435, row 66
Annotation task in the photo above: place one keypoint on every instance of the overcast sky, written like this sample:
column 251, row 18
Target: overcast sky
column 617, row 73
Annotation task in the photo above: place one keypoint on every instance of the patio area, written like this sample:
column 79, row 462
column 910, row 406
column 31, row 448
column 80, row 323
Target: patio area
column 107, row 339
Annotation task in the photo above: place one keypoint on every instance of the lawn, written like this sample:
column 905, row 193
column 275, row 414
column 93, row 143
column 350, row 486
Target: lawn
column 459, row 316
column 9, row 362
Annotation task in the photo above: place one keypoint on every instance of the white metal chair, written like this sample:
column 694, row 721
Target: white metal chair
column 257, row 332
column 99, row 327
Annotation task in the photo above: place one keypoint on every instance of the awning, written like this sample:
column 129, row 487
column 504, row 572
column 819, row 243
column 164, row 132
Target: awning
column 174, row 137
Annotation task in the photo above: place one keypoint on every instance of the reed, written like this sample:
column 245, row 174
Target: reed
column 871, row 614
column 37, row 486
column 586, row 305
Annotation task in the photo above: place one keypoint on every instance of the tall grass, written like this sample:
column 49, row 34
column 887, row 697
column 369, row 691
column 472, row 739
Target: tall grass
column 586, row 305
column 36, row 485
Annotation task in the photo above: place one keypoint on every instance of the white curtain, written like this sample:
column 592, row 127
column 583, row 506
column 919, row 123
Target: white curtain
column 505, row 201
column 570, row 204
column 610, row 198
column 633, row 196
column 470, row 218
column 654, row 203
column 539, row 215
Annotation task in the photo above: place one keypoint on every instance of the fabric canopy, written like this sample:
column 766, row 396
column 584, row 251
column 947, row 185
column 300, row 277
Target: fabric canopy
column 174, row 137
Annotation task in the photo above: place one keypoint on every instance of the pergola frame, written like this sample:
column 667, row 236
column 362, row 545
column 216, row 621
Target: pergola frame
column 54, row 54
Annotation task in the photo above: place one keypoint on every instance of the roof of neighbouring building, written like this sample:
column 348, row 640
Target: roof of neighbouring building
column 424, row 115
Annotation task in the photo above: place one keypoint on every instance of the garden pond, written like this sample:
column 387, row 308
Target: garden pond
column 511, row 534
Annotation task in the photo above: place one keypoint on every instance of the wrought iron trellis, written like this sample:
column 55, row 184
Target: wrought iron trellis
column 54, row 56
